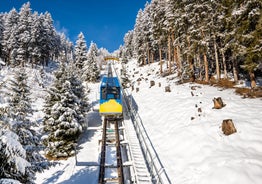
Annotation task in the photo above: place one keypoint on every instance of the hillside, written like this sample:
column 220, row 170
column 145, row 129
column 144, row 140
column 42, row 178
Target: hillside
column 189, row 141
column 186, row 131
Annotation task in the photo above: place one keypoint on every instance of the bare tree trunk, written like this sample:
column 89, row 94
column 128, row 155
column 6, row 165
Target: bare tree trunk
column 144, row 58
column 174, row 49
column 235, row 72
column 152, row 57
column 200, row 69
column 205, row 61
column 33, row 62
column 224, row 64
column 176, row 56
column 160, row 60
column 199, row 66
column 206, row 68
column 252, row 79
column 217, row 62
column 9, row 59
column 167, row 63
column 169, row 54
column 179, row 64
column 190, row 61
column 148, row 54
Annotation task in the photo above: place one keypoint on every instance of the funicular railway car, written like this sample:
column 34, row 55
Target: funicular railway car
column 110, row 96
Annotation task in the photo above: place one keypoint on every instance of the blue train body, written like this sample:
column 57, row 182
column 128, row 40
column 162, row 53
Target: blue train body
column 110, row 97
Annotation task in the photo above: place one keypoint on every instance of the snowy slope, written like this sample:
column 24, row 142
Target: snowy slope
column 190, row 142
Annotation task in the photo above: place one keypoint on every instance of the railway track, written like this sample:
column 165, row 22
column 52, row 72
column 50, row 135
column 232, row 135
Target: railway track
column 111, row 166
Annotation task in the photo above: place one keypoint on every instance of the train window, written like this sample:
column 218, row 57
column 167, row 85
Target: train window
column 113, row 93
column 110, row 93
column 118, row 93
column 103, row 93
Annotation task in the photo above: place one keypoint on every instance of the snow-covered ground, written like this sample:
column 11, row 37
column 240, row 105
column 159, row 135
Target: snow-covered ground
column 184, row 129
column 186, row 132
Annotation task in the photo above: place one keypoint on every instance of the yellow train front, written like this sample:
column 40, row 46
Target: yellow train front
column 110, row 98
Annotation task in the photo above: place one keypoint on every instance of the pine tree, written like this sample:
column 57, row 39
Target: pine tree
column 29, row 38
column 61, row 121
column 138, row 38
column 19, row 110
column 1, row 35
column 9, row 41
column 50, row 42
column 19, row 102
column 157, row 29
column 80, row 51
column 66, row 49
column 91, row 70
column 13, row 163
column 250, row 31
column 128, row 48
column 81, row 93
column 23, row 33
column 125, row 78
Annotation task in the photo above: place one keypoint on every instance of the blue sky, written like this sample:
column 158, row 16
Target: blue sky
column 104, row 22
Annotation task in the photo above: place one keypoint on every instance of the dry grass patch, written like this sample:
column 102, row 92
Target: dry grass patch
column 249, row 93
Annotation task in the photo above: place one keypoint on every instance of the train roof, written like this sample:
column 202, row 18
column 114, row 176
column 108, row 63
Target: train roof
column 111, row 81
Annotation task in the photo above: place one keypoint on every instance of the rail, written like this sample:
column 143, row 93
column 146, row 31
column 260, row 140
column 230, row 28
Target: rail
column 107, row 139
column 154, row 164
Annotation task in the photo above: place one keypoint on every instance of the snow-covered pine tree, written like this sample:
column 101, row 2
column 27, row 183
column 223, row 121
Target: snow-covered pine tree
column 138, row 38
column 61, row 121
column 19, row 96
column 80, row 51
column 92, row 62
column 81, row 93
column 9, row 41
column 91, row 71
column 66, row 49
column 158, row 31
column 1, row 36
column 250, row 31
column 13, row 163
column 19, row 110
column 29, row 38
column 50, row 40
column 125, row 78
column 23, row 33
column 127, row 50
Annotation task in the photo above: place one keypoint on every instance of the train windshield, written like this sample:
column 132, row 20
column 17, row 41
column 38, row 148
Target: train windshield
column 110, row 92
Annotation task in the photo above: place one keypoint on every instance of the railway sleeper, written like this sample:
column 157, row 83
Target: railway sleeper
column 111, row 179
column 115, row 166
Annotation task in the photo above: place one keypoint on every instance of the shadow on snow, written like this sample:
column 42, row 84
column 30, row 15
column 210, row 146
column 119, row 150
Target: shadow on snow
column 86, row 175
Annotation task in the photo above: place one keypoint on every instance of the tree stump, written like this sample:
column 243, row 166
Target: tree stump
column 218, row 103
column 228, row 127
column 167, row 89
column 152, row 83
